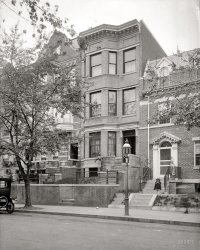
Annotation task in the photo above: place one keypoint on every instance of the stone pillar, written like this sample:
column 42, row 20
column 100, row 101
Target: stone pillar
column 86, row 145
column 104, row 102
column 172, row 187
column 156, row 165
column 136, row 142
column 119, row 143
column 104, row 62
column 104, row 143
column 119, row 103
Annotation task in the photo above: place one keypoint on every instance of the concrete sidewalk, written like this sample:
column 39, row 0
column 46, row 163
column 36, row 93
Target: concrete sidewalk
column 136, row 215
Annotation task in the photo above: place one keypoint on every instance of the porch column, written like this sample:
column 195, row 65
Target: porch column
column 155, row 161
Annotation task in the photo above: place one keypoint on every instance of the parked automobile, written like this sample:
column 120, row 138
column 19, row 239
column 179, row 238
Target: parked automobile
column 5, row 199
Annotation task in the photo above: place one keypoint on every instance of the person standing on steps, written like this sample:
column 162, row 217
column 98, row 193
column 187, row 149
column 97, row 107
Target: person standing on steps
column 157, row 185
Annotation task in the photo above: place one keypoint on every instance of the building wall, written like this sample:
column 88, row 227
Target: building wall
column 107, row 38
column 185, row 146
column 151, row 49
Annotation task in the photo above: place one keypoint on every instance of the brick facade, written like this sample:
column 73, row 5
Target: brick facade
column 182, row 140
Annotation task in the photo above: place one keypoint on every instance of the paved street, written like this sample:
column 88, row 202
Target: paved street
column 50, row 232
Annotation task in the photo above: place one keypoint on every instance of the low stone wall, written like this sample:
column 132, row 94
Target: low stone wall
column 183, row 186
column 53, row 194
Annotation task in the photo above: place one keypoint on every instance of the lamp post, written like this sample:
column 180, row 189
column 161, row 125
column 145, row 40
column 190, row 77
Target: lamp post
column 126, row 152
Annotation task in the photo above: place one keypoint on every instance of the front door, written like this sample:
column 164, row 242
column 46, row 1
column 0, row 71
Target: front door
column 165, row 157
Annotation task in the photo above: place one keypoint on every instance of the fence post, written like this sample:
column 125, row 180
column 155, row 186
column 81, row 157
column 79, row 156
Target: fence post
column 107, row 176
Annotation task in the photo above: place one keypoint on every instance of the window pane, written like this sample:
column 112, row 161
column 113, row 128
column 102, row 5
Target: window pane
column 112, row 57
column 129, row 95
column 112, row 96
column 95, row 98
column 165, row 154
column 96, row 71
column 197, row 148
column 129, row 108
column 130, row 67
column 112, row 109
column 197, row 160
column 129, row 55
column 111, row 143
column 95, row 60
column 95, row 143
column 95, row 110
column 112, row 69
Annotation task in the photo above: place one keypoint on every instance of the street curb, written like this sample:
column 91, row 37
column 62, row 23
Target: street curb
column 110, row 217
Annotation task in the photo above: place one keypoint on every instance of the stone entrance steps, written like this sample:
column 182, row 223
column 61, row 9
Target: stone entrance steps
column 139, row 200
column 144, row 200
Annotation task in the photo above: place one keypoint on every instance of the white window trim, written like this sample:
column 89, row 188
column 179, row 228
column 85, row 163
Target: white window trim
column 196, row 142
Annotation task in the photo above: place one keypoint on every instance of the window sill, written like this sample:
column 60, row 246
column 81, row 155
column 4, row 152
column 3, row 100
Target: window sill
column 133, row 114
column 196, row 167
column 129, row 73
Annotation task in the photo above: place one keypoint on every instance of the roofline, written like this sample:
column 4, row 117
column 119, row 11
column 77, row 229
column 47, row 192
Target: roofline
column 141, row 21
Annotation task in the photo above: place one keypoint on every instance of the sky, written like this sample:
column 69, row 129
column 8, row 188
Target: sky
column 174, row 23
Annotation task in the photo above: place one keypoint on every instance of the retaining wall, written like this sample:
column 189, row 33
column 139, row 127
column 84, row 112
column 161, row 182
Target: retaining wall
column 54, row 194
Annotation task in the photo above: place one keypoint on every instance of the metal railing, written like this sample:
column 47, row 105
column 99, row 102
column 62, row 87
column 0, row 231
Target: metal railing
column 91, row 177
column 146, row 176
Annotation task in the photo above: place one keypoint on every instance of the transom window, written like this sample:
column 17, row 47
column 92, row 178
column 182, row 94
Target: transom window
column 95, row 104
column 197, row 154
column 129, row 61
column 112, row 66
column 95, row 144
column 112, row 103
column 129, row 98
column 95, row 65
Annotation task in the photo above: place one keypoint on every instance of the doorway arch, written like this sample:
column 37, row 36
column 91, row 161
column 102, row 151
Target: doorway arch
column 165, row 150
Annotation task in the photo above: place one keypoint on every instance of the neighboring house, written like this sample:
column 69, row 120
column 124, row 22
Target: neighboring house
column 114, row 59
column 67, row 56
column 162, row 143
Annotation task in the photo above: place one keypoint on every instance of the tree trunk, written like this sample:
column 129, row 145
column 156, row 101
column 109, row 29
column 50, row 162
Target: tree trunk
column 27, row 193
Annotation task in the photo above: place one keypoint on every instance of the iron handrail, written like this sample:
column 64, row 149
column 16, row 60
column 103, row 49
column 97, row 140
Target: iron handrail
column 146, row 176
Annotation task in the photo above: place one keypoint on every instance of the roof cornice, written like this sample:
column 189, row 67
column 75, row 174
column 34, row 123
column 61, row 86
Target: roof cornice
column 101, row 30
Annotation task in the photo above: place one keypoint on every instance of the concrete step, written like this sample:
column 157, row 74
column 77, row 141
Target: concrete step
column 142, row 200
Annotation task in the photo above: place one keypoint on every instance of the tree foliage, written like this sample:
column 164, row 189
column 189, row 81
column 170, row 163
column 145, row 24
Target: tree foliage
column 41, row 15
column 32, row 92
column 180, row 91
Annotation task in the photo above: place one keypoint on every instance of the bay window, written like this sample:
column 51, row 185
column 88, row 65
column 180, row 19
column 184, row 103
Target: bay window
column 129, row 101
column 129, row 62
column 95, row 65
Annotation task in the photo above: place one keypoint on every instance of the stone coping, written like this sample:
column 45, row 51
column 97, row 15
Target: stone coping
column 71, row 185
column 188, row 181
